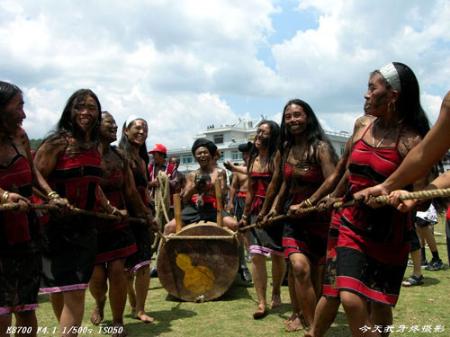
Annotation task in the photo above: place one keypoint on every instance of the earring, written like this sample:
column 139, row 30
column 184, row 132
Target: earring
column 392, row 107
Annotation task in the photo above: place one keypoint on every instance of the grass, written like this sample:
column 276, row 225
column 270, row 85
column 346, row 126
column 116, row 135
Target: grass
column 231, row 315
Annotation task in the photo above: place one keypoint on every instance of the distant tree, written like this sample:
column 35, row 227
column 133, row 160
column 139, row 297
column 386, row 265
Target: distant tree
column 34, row 143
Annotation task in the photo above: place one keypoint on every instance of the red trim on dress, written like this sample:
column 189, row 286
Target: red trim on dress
column 355, row 285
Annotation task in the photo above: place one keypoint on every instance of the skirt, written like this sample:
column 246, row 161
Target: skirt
column 19, row 282
column 68, row 255
column 115, row 244
column 144, row 240
column 370, row 268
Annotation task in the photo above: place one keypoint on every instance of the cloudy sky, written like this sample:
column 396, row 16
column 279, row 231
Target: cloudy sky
column 186, row 64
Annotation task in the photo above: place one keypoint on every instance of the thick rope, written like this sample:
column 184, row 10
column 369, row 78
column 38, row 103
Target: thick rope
column 382, row 200
column 201, row 237
column 73, row 210
column 162, row 199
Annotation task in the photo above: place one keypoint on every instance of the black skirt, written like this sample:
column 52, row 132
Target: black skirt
column 68, row 254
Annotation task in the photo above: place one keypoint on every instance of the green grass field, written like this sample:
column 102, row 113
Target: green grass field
column 426, row 305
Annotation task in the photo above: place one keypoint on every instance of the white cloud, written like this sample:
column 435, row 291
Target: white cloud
column 175, row 61
column 329, row 64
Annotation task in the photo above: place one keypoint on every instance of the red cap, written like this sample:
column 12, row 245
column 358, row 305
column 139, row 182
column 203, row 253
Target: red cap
column 158, row 148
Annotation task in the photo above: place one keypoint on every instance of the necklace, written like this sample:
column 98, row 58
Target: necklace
column 386, row 133
column 263, row 161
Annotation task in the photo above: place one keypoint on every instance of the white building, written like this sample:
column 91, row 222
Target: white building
column 229, row 137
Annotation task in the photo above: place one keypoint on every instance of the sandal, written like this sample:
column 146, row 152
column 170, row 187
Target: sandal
column 413, row 280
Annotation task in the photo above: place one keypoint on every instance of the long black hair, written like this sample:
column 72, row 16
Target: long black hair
column 273, row 144
column 7, row 92
column 66, row 124
column 313, row 133
column 408, row 103
column 125, row 145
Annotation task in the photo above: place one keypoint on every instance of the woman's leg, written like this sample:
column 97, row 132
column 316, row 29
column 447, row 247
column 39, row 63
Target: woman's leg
column 141, row 284
column 278, row 271
column 317, row 274
column 131, row 293
column 98, row 288
column 5, row 322
column 294, row 322
column 57, row 300
column 381, row 314
column 324, row 316
column 26, row 319
column 306, row 295
column 356, row 309
column 259, row 272
column 117, row 290
column 72, row 313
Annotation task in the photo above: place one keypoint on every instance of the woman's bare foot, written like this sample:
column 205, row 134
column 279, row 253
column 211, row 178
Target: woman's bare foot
column 142, row 316
column 276, row 301
column 260, row 312
column 293, row 323
column 97, row 313
column 293, row 316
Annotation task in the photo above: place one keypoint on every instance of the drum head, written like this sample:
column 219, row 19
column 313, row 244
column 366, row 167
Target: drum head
column 198, row 270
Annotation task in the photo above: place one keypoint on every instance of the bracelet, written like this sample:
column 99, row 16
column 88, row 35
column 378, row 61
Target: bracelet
column 53, row 195
column 109, row 208
column 308, row 203
column 244, row 217
column 4, row 198
column 113, row 210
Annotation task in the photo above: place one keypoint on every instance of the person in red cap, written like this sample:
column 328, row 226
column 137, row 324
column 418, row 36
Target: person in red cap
column 159, row 163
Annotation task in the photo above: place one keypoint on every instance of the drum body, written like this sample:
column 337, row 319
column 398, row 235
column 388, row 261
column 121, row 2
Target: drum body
column 199, row 263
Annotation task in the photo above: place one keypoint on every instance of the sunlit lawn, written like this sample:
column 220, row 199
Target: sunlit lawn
column 232, row 314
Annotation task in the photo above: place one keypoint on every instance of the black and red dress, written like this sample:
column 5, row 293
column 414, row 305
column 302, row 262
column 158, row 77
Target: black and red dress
column 20, row 259
column 263, row 241
column 115, row 240
column 70, row 241
column 143, row 235
column 373, row 244
column 307, row 234
column 329, row 282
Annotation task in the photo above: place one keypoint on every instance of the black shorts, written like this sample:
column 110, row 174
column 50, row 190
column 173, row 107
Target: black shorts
column 414, row 242
column 423, row 223
column 192, row 214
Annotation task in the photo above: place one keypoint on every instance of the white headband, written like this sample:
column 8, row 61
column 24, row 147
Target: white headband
column 131, row 119
column 390, row 74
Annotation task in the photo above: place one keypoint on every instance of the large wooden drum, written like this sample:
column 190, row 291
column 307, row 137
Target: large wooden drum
column 199, row 263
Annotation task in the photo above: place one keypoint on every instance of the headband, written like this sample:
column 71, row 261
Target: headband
column 390, row 74
column 131, row 119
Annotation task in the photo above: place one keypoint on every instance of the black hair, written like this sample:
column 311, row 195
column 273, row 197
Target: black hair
column 67, row 126
column 408, row 103
column 125, row 145
column 313, row 133
column 245, row 147
column 7, row 92
column 212, row 148
column 273, row 144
